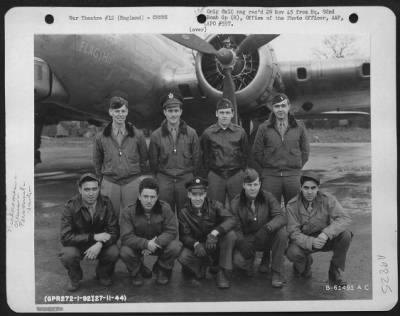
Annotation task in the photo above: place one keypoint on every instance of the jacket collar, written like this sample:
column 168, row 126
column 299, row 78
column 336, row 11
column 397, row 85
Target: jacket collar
column 157, row 209
column 182, row 128
column 244, row 201
column 128, row 126
column 79, row 205
column 272, row 120
column 204, row 208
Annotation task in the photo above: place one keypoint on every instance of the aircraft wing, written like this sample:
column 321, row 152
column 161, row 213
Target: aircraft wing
column 333, row 115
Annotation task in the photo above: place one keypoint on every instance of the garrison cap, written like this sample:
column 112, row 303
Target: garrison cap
column 278, row 98
column 88, row 177
column 117, row 102
column 171, row 99
column 310, row 175
column 250, row 175
column 197, row 183
column 224, row 103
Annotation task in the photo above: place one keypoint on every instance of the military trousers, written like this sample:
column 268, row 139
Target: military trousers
column 281, row 186
column 71, row 256
column 220, row 187
column 222, row 255
column 133, row 258
column 339, row 245
column 172, row 189
column 121, row 195
column 276, row 242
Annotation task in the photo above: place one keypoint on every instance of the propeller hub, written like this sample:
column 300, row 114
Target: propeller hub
column 226, row 57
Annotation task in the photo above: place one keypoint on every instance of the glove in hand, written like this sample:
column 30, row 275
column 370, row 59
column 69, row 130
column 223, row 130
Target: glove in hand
column 199, row 250
column 211, row 242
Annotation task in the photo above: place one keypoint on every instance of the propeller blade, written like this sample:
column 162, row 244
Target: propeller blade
column 192, row 41
column 229, row 92
column 253, row 42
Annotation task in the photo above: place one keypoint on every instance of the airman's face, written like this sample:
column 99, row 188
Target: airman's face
column 89, row 191
column 309, row 190
column 119, row 115
column 281, row 110
column 173, row 114
column 148, row 198
column 224, row 116
column 197, row 197
column 252, row 188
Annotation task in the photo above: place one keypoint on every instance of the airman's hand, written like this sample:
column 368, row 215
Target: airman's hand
column 92, row 252
column 102, row 237
column 152, row 245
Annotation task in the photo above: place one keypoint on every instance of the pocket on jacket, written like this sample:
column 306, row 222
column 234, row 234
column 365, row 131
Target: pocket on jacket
column 295, row 158
column 187, row 156
column 268, row 156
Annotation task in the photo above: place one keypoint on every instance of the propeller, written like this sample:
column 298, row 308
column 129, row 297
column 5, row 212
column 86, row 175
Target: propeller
column 226, row 56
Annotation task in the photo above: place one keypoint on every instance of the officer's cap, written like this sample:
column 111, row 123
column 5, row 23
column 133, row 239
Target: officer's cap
column 279, row 98
column 117, row 102
column 224, row 103
column 87, row 177
column 310, row 175
column 171, row 99
column 197, row 183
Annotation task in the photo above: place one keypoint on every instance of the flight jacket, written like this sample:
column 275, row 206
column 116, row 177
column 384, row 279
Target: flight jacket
column 120, row 164
column 174, row 159
column 268, row 212
column 279, row 156
column 78, row 228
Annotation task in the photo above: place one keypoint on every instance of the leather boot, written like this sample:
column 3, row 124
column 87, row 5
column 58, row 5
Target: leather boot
column 277, row 281
column 264, row 264
column 335, row 276
column 163, row 276
column 307, row 270
column 73, row 286
column 222, row 279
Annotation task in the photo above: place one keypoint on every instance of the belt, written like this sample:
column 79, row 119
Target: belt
column 226, row 173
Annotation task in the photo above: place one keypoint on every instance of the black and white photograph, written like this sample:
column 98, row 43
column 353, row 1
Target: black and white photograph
column 226, row 170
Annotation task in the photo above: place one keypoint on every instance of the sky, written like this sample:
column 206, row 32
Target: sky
column 292, row 47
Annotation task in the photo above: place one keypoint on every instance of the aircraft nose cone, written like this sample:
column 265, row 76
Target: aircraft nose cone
column 225, row 56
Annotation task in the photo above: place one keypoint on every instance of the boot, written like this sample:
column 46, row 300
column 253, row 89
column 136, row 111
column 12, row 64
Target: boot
column 105, row 282
column 190, row 276
column 335, row 276
column 277, row 281
column 137, row 280
column 264, row 264
column 222, row 279
column 306, row 274
column 307, row 271
column 73, row 286
column 163, row 276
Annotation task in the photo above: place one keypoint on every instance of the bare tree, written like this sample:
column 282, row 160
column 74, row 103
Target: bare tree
column 337, row 46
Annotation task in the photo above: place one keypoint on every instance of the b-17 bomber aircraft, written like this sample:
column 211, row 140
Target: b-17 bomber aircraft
column 75, row 75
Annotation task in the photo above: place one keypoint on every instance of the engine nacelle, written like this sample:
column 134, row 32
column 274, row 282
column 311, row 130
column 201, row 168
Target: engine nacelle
column 253, row 74
column 47, row 86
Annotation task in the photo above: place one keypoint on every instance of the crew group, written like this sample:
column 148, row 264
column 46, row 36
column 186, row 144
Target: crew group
column 206, row 205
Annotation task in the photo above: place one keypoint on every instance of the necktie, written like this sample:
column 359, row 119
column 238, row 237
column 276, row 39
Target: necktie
column 309, row 207
column 174, row 137
column 120, row 136
column 91, row 211
column 253, row 209
column 282, row 129
column 174, row 134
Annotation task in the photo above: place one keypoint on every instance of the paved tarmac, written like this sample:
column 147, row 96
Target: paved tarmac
column 345, row 170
